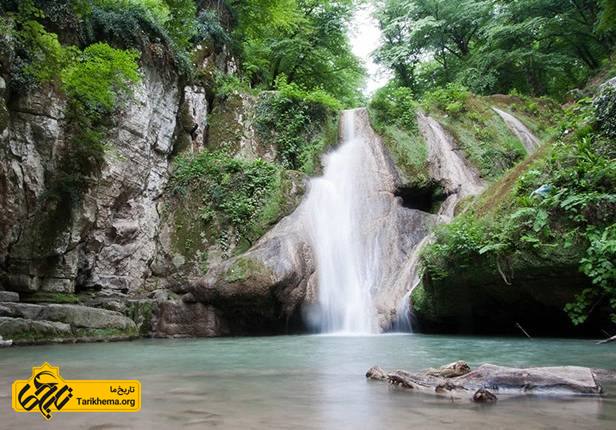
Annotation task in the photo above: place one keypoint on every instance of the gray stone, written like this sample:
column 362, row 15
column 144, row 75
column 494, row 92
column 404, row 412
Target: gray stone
column 180, row 319
column 74, row 315
column 111, row 239
column 194, row 115
column 9, row 296
column 29, row 330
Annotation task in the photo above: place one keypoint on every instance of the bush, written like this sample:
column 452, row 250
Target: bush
column 298, row 122
column 231, row 192
column 394, row 105
column 450, row 99
column 133, row 25
column 99, row 75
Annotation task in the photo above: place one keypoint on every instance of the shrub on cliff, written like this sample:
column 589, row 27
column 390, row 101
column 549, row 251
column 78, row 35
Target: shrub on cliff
column 232, row 196
column 300, row 122
column 393, row 111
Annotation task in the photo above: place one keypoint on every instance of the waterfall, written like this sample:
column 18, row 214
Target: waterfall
column 364, row 243
column 343, row 206
column 528, row 139
column 448, row 166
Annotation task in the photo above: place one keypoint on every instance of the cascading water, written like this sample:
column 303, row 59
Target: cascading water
column 528, row 139
column 342, row 205
column 365, row 244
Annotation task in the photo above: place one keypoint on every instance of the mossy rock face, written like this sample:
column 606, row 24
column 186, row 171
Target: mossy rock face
column 226, row 127
column 33, row 323
column 244, row 268
column 50, row 297
column 478, row 299
column 142, row 313
column 202, row 235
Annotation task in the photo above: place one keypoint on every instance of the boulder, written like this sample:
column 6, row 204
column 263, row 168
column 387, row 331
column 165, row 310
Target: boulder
column 9, row 296
column 181, row 319
column 37, row 323
column 74, row 315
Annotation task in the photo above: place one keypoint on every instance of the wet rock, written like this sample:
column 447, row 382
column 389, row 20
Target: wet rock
column 267, row 283
column 181, row 319
column 448, row 166
column 193, row 115
column 5, row 342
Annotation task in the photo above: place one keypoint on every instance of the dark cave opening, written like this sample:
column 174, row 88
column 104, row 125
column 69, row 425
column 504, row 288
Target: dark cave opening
column 426, row 198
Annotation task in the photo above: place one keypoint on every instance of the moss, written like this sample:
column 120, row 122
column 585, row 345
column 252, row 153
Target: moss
column 244, row 268
column 483, row 137
column 29, row 337
column 142, row 313
column 409, row 152
column 50, row 297
column 225, row 130
column 101, row 334
column 499, row 192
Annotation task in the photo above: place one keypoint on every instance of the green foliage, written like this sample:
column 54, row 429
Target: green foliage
column 100, row 74
column 175, row 20
column 305, row 40
column 393, row 115
column 492, row 46
column 147, row 26
column 296, row 120
column 209, row 28
column 229, row 192
column 226, row 85
column 395, row 105
column 598, row 265
column 450, row 99
column 570, row 220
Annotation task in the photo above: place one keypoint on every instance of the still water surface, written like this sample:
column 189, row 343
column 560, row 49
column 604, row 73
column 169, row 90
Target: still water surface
column 305, row 382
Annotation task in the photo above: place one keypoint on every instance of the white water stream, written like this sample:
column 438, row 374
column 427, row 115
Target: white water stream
column 365, row 244
column 343, row 205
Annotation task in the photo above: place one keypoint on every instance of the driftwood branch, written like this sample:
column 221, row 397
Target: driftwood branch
column 457, row 381
column 609, row 339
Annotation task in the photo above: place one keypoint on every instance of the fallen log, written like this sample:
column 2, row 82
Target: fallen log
column 458, row 382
